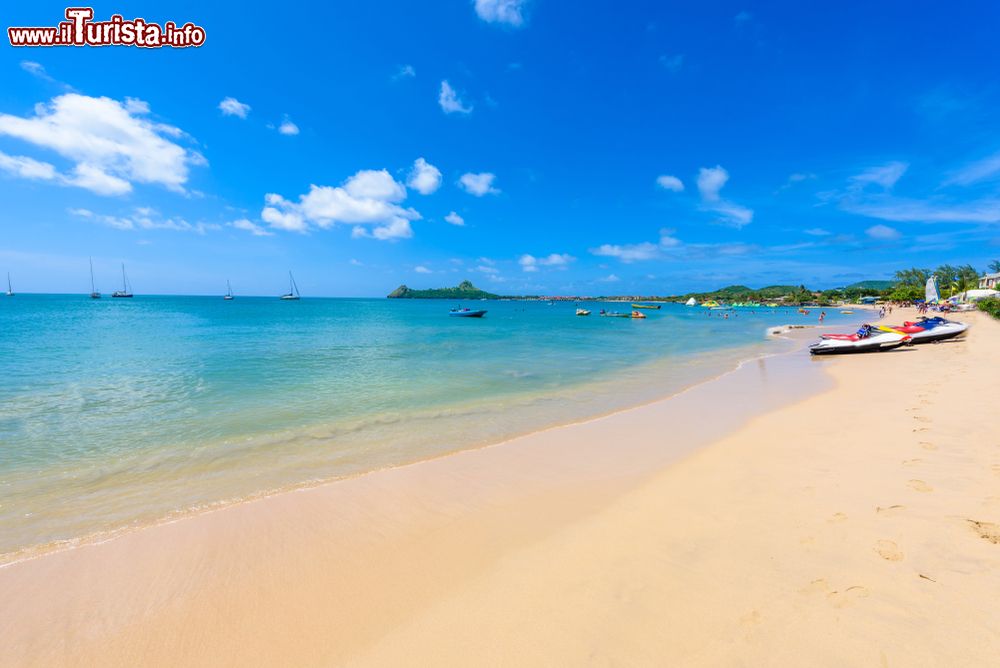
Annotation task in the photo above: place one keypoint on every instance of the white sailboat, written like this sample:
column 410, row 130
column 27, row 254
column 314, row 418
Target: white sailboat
column 10, row 291
column 293, row 289
column 229, row 291
column 126, row 291
column 94, row 294
column 691, row 302
column 931, row 291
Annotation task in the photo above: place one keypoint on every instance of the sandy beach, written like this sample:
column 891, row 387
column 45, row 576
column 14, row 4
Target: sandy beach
column 834, row 512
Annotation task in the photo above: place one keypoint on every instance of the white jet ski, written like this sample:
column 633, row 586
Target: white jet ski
column 866, row 340
column 928, row 330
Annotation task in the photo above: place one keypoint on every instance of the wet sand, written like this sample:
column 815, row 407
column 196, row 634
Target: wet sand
column 841, row 511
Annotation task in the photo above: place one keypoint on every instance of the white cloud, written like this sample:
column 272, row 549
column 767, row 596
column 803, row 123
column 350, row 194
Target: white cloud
column 421, row 269
column 817, row 232
column 882, row 232
column 369, row 200
column 449, row 100
column 628, row 252
column 454, row 219
column 478, row 184
column 38, row 70
column 27, row 168
column 488, row 270
column 404, row 72
column 610, row 278
column 884, row 176
column 976, row 172
column 94, row 179
column 509, row 12
column 251, row 227
column 425, row 178
column 376, row 185
column 145, row 218
column 111, row 145
column 398, row 228
column 710, row 183
column 288, row 128
column 900, row 210
column 671, row 183
column 531, row 263
column 230, row 106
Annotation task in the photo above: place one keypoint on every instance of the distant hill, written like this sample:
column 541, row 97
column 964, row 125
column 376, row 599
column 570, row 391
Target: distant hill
column 876, row 286
column 464, row 290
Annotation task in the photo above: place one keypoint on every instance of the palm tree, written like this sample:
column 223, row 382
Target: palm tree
column 994, row 266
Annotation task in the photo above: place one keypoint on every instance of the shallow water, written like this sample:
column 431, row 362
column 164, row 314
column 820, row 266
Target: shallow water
column 117, row 413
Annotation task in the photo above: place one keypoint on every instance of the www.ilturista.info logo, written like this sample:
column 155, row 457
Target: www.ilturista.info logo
column 79, row 29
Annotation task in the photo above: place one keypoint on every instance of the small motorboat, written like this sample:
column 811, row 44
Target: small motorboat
column 614, row 314
column 582, row 311
column 466, row 313
column 638, row 315
column 847, row 312
column 928, row 330
column 866, row 340
column 655, row 307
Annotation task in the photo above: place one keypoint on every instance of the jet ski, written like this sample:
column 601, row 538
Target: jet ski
column 866, row 340
column 927, row 330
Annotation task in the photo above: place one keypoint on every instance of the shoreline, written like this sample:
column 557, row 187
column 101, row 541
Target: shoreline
column 656, row 533
column 744, row 354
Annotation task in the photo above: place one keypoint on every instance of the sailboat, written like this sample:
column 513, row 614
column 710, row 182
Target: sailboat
column 94, row 294
column 125, row 291
column 10, row 292
column 229, row 291
column 293, row 290
column 931, row 291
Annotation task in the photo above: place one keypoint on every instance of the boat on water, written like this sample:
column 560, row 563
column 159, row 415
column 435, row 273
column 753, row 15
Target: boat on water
column 614, row 314
column 467, row 313
column 94, row 294
column 721, row 308
column 691, row 302
column 867, row 339
column 711, row 303
column 10, row 291
column 293, row 290
column 847, row 312
column 229, row 292
column 638, row 315
column 582, row 311
column 929, row 330
column 655, row 307
column 126, row 291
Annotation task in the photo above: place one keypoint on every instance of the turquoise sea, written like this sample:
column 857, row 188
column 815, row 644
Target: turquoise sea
column 116, row 413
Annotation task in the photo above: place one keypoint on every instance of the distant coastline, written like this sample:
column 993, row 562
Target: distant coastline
column 791, row 295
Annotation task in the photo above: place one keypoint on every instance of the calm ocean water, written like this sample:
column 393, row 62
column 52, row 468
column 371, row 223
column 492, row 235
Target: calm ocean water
column 116, row 413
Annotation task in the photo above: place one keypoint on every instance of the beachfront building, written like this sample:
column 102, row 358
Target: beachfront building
column 990, row 281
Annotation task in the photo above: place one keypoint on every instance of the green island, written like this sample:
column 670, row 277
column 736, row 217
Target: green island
column 464, row 290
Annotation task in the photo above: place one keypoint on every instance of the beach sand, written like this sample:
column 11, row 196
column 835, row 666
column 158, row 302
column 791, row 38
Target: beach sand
column 843, row 511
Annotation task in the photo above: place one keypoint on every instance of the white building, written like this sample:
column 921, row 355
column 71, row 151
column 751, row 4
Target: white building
column 990, row 282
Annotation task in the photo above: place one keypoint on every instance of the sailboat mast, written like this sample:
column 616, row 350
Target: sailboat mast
column 92, row 288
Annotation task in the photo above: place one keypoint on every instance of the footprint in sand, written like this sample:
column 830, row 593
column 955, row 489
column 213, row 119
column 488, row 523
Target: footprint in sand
column 927, row 445
column 920, row 486
column 919, row 429
column 888, row 550
column 987, row 530
column 996, row 469
column 912, row 462
column 891, row 509
column 921, row 418
column 841, row 598
column 838, row 517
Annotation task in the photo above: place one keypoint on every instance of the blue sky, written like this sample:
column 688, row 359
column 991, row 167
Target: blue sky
column 538, row 146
